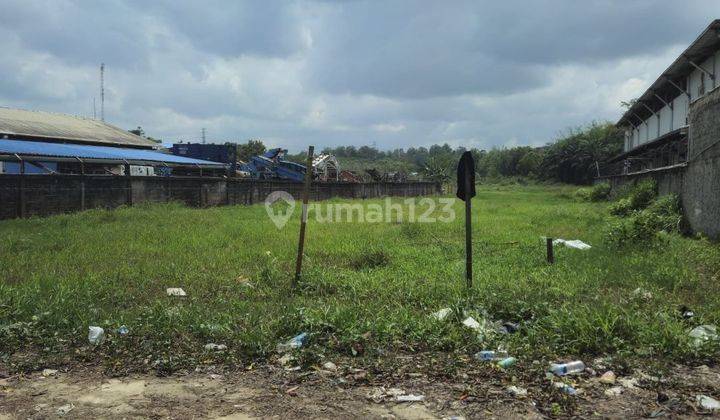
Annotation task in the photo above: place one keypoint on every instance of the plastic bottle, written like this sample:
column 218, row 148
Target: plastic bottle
column 505, row 363
column 491, row 355
column 562, row 369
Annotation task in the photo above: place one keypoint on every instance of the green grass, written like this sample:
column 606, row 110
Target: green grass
column 366, row 287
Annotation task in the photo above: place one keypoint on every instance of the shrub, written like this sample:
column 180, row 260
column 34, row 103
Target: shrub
column 636, row 198
column 598, row 192
column 662, row 215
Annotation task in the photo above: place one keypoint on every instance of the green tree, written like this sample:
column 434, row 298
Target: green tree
column 251, row 148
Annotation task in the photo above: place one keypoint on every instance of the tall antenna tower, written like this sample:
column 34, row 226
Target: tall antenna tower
column 102, row 91
column 203, row 135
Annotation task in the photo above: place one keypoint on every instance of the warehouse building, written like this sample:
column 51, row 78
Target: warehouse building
column 33, row 142
column 672, row 133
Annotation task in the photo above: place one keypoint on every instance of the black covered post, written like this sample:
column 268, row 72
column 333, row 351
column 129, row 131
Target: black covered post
column 465, row 192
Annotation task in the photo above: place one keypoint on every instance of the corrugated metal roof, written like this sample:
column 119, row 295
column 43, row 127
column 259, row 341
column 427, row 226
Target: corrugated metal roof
column 704, row 46
column 49, row 125
column 111, row 154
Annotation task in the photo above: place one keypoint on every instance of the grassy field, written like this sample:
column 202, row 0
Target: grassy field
column 367, row 288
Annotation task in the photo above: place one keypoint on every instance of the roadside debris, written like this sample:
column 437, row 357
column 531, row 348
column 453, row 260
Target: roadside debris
column 215, row 347
column 562, row 369
column 49, row 372
column 442, row 314
column 292, row 344
column 286, row 359
column 96, row 335
column 630, row 383
column 175, row 291
column 565, row 388
column 507, row 362
column 703, row 334
column 64, row 409
column 123, row 330
column 379, row 395
column 575, row 243
column 410, row 398
column 707, row 403
column 642, row 293
column 686, row 312
column 608, row 378
column 491, row 355
column 516, row 391
column 508, row 328
column 471, row 323
column 614, row 391
column 330, row 366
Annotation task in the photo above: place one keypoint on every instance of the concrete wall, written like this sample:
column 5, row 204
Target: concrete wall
column 701, row 191
column 42, row 195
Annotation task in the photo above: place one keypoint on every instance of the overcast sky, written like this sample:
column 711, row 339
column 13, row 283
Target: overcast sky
column 328, row 73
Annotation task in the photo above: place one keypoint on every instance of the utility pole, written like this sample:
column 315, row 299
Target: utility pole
column 94, row 111
column 203, row 135
column 102, row 92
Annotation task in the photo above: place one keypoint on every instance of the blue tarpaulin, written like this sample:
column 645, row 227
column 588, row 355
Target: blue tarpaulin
column 45, row 149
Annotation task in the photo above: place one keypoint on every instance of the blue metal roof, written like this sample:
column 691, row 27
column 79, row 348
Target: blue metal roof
column 36, row 148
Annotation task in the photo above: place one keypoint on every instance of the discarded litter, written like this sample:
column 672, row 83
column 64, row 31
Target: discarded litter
column 409, row 398
column 286, row 359
column 686, row 312
column 567, row 389
column 49, row 372
column 215, row 347
column 379, row 395
column 707, row 403
column 64, row 409
column 508, row 328
column 471, row 323
column 96, row 335
column 516, row 391
column 562, row 369
column 507, row 362
column 330, row 366
column 642, row 293
column 123, row 330
column 442, row 314
column 614, row 391
column 175, row 291
column 294, row 343
column 608, row 377
column 491, row 355
column 629, row 383
column 575, row 243
column 703, row 334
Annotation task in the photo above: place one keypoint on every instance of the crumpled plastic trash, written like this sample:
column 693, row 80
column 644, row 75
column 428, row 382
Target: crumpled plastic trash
column 703, row 334
column 441, row 314
column 215, row 347
column 294, row 343
column 96, row 335
column 575, row 243
column 470, row 322
column 410, row 398
column 708, row 403
column 175, row 291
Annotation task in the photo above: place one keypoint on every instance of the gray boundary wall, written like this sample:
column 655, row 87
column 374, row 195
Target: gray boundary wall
column 697, row 183
column 44, row 195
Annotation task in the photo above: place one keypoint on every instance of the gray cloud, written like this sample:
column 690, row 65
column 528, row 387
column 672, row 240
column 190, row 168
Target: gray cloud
column 398, row 74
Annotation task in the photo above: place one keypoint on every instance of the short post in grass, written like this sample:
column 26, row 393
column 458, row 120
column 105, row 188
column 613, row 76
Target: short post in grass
column 550, row 252
column 303, row 217
column 465, row 192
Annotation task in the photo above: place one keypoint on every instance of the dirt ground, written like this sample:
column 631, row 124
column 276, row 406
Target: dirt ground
column 273, row 391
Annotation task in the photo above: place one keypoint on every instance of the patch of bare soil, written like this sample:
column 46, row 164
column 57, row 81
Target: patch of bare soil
column 477, row 391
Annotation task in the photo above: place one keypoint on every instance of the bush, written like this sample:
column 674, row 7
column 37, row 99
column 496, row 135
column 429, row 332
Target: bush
column 598, row 192
column 636, row 198
column 662, row 215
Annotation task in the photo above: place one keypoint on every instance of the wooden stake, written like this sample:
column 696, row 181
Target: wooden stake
column 550, row 254
column 303, row 219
